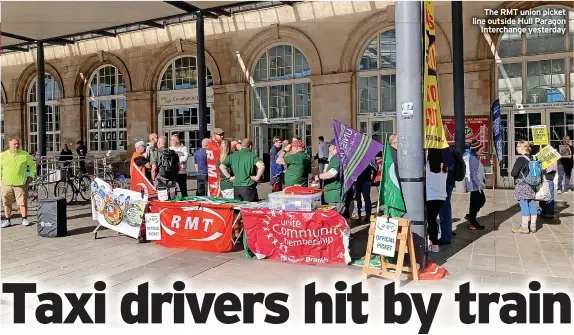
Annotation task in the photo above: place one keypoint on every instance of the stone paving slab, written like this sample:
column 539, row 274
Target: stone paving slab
column 491, row 259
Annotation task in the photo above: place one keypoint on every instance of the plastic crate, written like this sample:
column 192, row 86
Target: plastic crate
column 297, row 202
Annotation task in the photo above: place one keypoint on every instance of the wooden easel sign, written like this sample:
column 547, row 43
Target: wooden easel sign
column 388, row 235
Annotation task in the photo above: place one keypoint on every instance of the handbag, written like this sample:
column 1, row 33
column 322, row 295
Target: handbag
column 543, row 192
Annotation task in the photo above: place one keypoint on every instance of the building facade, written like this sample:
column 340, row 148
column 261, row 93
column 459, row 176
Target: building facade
column 287, row 71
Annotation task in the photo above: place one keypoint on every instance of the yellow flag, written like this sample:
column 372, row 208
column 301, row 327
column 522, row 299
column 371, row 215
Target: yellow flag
column 434, row 136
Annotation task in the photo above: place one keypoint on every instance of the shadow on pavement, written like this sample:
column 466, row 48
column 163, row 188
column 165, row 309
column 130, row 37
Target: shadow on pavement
column 81, row 230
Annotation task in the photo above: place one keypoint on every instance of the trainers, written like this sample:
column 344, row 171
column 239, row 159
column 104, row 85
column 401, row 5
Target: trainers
column 559, row 191
column 375, row 262
column 533, row 229
column 521, row 230
column 5, row 224
column 26, row 223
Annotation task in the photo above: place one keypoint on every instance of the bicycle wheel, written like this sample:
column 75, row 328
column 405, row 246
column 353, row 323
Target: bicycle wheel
column 64, row 189
column 41, row 191
column 33, row 195
column 84, row 187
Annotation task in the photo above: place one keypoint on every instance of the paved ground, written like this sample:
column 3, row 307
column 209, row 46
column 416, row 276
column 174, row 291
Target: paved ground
column 492, row 259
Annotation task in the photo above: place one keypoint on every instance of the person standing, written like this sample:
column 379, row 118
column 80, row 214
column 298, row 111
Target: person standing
column 445, row 213
column 66, row 158
column 82, row 152
column 247, row 168
column 523, row 192
column 276, row 169
column 225, row 184
column 547, row 207
column 475, row 181
column 297, row 163
column 322, row 155
column 436, row 181
column 217, row 135
column 565, row 165
column 151, row 145
column 201, row 168
column 331, row 183
column 362, row 188
column 139, row 162
column 183, row 154
column 14, row 165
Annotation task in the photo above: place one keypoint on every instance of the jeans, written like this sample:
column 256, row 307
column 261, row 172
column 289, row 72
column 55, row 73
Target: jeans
column 564, row 174
column 527, row 207
column 201, row 186
column 182, row 183
column 445, row 216
column 477, row 200
column 547, row 207
column 363, row 188
column 433, row 207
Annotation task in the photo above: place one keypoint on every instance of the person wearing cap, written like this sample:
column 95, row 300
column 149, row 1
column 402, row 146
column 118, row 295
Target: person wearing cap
column 297, row 162
column 247, row 168
column 217, row 135
column 330, row 178
column 139, row 162
column 475, row 181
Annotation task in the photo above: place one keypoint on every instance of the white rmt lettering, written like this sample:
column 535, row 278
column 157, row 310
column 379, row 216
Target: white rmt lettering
column 206, row 223
column 209, row 154
column 175, row 221
column 191, row 223
column 211, row 170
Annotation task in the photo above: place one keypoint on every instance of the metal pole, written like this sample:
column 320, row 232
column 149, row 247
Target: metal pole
column 410, row 120
column 458, row 81
column 201, row 82
column 458, row 75
column 41, row 97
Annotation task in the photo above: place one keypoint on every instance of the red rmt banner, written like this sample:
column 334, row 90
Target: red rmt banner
column 213, row 189
column 318, row 237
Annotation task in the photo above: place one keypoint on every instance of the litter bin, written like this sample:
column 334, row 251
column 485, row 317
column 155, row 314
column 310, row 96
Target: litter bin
column 52, row 217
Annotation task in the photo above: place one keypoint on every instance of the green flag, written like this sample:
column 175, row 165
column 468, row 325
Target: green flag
column 390, row 193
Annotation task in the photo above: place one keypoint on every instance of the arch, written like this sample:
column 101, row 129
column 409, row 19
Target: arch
column 364, row 32
column 484, row 50
column 168, row 53
column 29, row 75
column 92, row 63
column 276, row 35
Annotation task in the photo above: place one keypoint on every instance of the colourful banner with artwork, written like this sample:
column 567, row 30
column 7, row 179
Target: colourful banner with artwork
column 318, row 237
column 475, row 128
column 195, row 225
column 213, row 189
column 355, row 150
column 433, row 127
column 118, row 209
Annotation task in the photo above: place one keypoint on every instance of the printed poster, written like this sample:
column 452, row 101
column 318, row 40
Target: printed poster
column 433, row 126
column 539, row 135
column 476, row 128
column 118, row 209
column 564, row 150
column 385, row 239
column 548, row 156
column 152, row 227
column 317, row 237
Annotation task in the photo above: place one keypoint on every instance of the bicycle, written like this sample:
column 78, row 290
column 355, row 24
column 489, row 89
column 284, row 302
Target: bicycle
column 109, row 174
column 72, row 186
column 37, row 190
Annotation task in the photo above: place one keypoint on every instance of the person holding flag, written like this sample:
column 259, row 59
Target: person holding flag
column 331, row 181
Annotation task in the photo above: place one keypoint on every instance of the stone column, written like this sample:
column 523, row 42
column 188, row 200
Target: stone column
column 72, row 121
column 14, row 124
column 331, row 98
column 229, row 108
column 140, row 111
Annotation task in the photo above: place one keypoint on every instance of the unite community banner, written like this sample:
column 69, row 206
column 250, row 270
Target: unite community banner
column 318, row 237
column 433, row 127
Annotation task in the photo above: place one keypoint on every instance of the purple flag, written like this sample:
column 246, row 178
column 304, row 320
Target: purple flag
column 355, row 151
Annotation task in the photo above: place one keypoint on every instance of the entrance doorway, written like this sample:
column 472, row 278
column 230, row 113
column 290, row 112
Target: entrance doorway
column 516, row 126
column 184, row 122
column 378, row 129
column 263, row 134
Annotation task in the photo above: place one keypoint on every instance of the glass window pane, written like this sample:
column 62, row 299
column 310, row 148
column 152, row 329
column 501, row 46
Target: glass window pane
column 546, row 81
column 303, row 100
column 369, row 58
column 510, row 84
column 368, row 100
column 281, row 101
column 545, row 42
column 510, row 43
column 388, row 93
column 388, row 53
column 302, row 68
column 280, row 62
column 260, row 73
column 260, row 103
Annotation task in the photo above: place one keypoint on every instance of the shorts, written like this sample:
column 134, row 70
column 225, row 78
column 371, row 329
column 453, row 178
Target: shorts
column 15, row 193
column 227, row 194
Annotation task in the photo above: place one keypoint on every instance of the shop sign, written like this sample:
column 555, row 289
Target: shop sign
column 277, row 120
column 542, row 105
column 181, row 97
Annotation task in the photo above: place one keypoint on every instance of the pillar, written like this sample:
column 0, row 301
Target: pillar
column 72, row 120
column 139, row 117
column 229, row 110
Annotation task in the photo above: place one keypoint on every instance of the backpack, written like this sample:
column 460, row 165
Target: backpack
column 459, row 171
column 534, row 175
column 168, row 164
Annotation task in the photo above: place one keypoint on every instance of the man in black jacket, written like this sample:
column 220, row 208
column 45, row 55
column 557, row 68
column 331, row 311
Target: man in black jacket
column 565, row 164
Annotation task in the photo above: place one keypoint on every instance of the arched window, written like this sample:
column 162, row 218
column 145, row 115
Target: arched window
column 282, row 85
column 181, row 73
column 107, row 110
column 536, row 64
column 377, row 75
column 52, row 95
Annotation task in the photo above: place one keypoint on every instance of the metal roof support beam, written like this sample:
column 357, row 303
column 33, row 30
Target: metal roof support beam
column 60, row 41
column 220, row 12
column 288, row 3
column 105, row 33
column 41, row 98
column 154, row 24
column 17, row 37
column 186, row 7
column 15, row 48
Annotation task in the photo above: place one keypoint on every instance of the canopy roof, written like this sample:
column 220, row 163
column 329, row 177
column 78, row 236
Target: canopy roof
column 64, row 22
